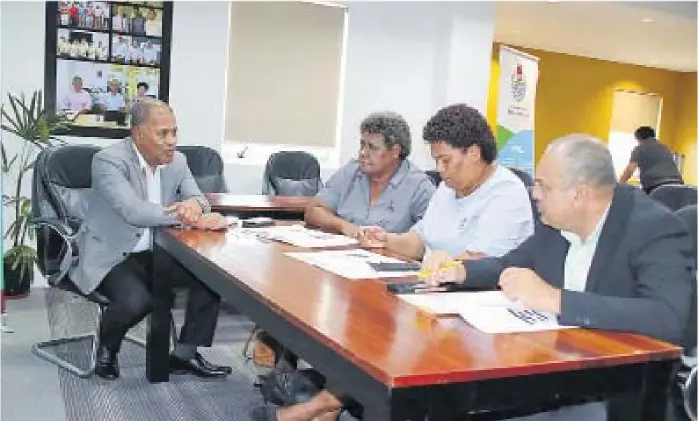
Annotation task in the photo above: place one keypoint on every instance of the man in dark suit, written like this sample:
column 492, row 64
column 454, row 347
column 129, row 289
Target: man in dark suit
column 607, row 257
column 138, row 184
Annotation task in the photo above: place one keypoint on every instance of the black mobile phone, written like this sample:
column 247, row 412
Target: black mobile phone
column 394, row 266
column 404, row 287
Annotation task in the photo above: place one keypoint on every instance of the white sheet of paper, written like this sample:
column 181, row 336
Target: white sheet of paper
column 299, row 236
column 487, row 311
column 451, row 302
column 510, row 318
column 352, row 264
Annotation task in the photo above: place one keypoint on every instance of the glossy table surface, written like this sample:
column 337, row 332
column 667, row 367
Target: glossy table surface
column 395, row 342
column 225, row 202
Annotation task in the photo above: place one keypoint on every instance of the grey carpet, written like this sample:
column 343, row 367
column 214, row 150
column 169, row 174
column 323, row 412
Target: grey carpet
column 132, row 397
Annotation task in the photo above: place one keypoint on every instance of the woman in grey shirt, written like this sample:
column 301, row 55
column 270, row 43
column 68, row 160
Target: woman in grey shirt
column 381, row 187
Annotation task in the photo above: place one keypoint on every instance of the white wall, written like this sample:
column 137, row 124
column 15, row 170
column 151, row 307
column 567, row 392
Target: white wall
column 412, row 58
column 409, row 57
column 198, row 69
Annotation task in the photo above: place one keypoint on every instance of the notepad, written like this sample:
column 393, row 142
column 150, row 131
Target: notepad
column 487, row 311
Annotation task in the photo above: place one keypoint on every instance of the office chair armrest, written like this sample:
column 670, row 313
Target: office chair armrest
column 689, row 394
column 69, row 236
column 61, row 228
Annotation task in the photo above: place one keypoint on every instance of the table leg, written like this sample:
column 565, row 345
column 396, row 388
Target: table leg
column 655, row 393
column 401, row 407
column 649, row 403
column 158, row 338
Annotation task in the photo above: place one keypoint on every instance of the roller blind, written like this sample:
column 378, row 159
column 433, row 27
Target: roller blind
column 284, row 73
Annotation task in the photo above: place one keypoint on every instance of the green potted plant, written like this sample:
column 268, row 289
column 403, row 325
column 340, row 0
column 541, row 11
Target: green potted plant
column 30, row 123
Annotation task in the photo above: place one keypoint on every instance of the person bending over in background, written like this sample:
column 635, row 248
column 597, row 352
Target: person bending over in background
column 655, row 161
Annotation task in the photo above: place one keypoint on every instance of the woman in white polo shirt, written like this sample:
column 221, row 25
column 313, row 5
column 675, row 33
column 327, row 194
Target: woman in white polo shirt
column 480, row 208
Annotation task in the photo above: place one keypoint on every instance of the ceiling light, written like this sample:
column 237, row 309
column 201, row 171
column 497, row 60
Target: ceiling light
column 647, row 20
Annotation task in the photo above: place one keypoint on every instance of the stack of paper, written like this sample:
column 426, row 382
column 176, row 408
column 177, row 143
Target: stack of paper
column 299, row 236
column 352, row 264
column 489, row 311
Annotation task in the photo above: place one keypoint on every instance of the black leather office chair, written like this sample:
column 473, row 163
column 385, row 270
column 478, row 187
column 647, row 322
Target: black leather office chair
column 292, row 173
column 434, row 176
column 206, row 165
column 675, row 196
column 534, row 208
column 61, row 186
column 523, row 176
column 686, row 376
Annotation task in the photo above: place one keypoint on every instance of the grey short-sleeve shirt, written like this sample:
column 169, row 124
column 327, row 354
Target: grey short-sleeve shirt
column 656, row 164
column 400, row 205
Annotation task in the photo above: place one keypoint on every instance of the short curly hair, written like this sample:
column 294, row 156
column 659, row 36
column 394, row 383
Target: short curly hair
column 644, row 133
column 393, row 127
column 461, row 126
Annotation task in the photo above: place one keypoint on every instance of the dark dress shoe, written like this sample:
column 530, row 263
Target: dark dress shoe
column 106, row 365
column 205, row 363
column 263, row 413
column 178, row 366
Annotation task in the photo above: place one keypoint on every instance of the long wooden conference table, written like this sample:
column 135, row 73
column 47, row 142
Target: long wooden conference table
column 396, row 360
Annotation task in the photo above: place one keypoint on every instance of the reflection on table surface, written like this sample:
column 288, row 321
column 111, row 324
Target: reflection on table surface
column 98, row 120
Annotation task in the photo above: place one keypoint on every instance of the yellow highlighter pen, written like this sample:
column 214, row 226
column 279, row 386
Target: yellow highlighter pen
column 425, row 273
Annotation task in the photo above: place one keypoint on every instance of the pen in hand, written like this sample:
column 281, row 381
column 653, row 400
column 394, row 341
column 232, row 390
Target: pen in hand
column 426, row 273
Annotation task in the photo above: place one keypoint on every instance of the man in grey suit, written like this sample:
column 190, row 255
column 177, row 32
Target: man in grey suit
column 138, row 184
column 608, row 256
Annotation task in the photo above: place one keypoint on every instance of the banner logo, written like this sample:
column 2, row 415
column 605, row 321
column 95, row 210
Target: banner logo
column 518, row 84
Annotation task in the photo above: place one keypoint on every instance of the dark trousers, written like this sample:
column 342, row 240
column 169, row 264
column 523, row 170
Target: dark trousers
column 128, row 286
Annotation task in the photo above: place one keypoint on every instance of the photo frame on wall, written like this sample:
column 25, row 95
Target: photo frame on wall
column 101, row 56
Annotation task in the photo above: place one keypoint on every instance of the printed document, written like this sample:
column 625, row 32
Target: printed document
column 299, row 236
column 487, row 311
column 352, row 264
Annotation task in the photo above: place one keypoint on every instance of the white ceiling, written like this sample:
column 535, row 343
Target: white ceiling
column 605, row 30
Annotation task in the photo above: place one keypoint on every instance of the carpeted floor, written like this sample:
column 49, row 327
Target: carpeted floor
column 33, row 388
column 132, row 397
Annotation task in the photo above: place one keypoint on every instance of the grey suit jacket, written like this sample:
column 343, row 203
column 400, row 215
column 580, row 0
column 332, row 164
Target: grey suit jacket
column 640, row 276
column 119, row 211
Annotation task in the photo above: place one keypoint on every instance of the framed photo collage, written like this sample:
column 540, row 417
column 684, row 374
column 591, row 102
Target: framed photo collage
column 101, row 56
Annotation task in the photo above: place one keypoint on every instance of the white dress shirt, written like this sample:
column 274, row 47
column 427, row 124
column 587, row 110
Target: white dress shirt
column 154, row 194
column 580, row 254
column 113, row 102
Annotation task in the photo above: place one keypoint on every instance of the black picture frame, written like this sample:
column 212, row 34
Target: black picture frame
column 119, row 129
